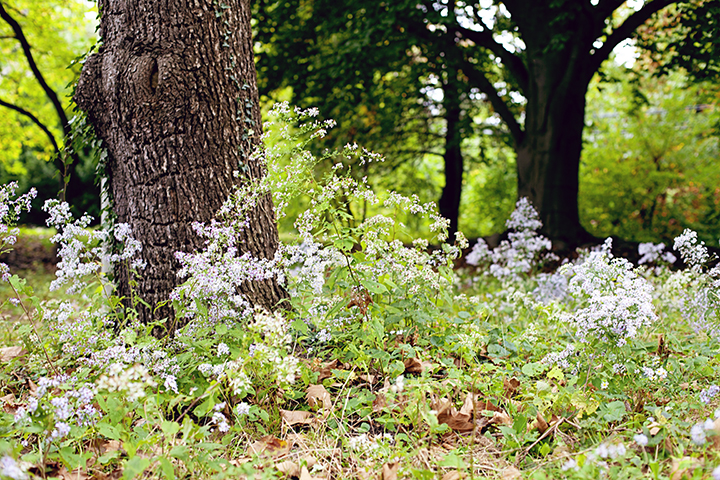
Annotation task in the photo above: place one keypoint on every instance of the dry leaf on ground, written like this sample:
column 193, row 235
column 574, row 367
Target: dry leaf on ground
column 8, row 353
column 540, row 423
column 454, row 475
column 305, row 475
column 511, row 473
column 318, row 396
column 297, row 417
column 390, row 471
column 683, row 468
column 269, row 446
column 326, row 369
column 501, row 418
column 511, row 386
column 413, row 365
column 460, row 422
column 289, row 468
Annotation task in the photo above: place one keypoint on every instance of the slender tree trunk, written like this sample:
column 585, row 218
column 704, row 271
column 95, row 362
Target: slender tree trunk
column 449, row 203
column 173, row 95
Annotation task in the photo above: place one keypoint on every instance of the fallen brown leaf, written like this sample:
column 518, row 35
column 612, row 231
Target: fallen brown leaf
column 540, row 424
column 305, row 475
column 511, row 473
column 297, row 417
column 511, row 386
column 289, row 468
column 269, row 446
column 379, row 403
column 390, row 470
column 454, row 475
column 413, row 365
column 469, row 405
column 683, row 468
column 8, row 353
column 501, row 418
column 459, row 422
column 318, row 396
column 326, row 369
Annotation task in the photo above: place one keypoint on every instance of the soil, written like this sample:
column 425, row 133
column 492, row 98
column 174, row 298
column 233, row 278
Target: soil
column 31, row 254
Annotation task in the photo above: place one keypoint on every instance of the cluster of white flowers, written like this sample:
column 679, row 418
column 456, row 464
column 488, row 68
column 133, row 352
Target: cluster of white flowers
column 309, row 263
column 693, row 253
column 82, row 250
column 10, row 210
column 560, row 358
column 520, row 253
column 652, row 253
column 219, row 419
column 67, row 400
column 214, row 277
column 654, row 374
column 617, row 301
column 551, row 287
column 707, row 394
column 698, row 432
column 641, row 439
column 131, row 381
column 11, row 468
column 610, row 450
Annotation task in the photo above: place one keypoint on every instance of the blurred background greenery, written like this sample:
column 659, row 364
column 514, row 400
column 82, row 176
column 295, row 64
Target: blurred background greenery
column 649, row 165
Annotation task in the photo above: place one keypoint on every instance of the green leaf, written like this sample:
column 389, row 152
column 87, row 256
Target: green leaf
column 70, row 458
column 614, row 411
column 167, row 468
column 169, row 428
column 300, row 326
column 556, row 373
column 374, row 287
column 107, row 457
column 135, row 466
column 180, row 452
column 532, row 369
column 453, row 460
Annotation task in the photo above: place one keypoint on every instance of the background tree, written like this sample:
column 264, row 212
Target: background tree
column 532, row 61
column 649, row 166
column 177, row 110
column 39, row 41
column 686, row 37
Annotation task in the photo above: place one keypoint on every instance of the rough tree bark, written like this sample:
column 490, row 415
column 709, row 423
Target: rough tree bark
column 172, row 93
column 548, row 151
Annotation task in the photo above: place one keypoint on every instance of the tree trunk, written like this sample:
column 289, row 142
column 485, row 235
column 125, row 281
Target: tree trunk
column 548, row 156
column 449, row 203
column 173, row 95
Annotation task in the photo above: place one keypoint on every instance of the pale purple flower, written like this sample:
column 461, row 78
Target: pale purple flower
column 641, row 439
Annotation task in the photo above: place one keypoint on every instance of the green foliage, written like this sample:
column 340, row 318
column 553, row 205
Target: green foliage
column 388, row 354
column 648, row 167
column 58, row 33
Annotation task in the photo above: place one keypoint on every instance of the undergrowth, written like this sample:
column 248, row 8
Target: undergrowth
column 391, row 363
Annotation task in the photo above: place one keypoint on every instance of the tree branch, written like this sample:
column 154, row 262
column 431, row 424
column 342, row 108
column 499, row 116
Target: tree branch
column 35, row 120
column 17, row 29
column 606, row 7
column 513, row 63
column 625, row 30
column 479, row 79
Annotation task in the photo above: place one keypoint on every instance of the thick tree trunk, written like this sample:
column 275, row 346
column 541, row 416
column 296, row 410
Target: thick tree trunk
column 173, row 95
column 449, row 203
column 548, row 156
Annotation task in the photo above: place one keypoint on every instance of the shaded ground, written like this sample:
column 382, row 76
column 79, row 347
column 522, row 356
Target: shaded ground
column 32, row 251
